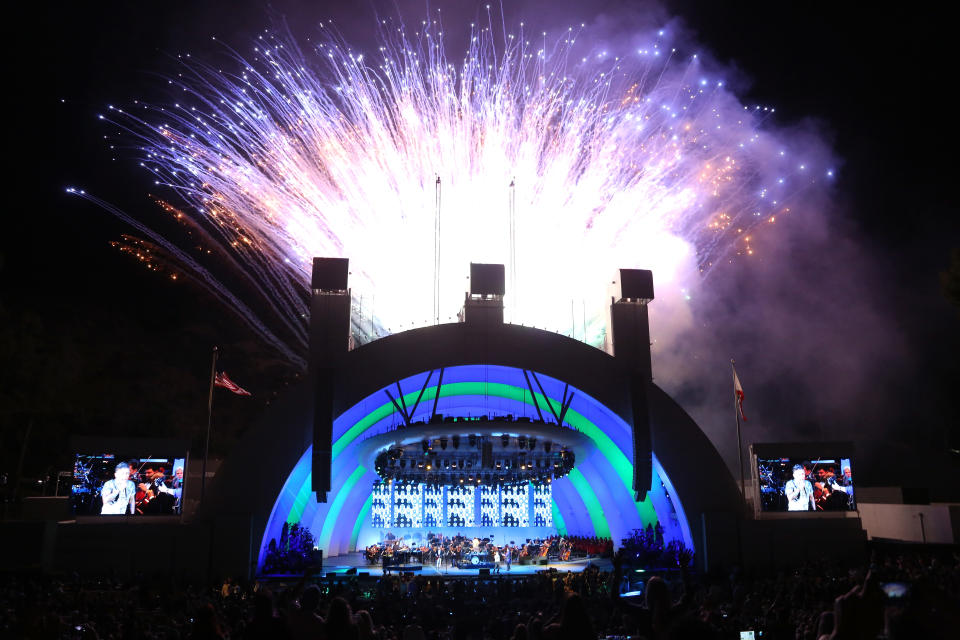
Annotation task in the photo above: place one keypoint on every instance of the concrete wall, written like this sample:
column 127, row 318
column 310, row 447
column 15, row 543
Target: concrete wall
column 780, row 542
column 126, row 548
column 902, row 522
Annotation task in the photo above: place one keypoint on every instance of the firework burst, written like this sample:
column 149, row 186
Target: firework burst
column 524, row 152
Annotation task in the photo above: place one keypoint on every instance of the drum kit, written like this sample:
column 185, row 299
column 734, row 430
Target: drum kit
column 480, row 555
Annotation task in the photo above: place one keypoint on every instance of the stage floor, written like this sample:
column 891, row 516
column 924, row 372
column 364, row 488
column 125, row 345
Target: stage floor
column 343, row 563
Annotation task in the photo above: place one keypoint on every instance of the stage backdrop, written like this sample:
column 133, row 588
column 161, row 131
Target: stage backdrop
column 594, row 500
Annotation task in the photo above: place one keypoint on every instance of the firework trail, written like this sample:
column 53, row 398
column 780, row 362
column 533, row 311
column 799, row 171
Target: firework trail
column 642, row 160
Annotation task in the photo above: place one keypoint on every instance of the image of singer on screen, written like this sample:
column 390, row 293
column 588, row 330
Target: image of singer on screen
column 799, row 491
column 119, row 494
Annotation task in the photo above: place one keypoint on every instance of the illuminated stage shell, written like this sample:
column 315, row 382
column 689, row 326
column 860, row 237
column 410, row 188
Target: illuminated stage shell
column 267, row 481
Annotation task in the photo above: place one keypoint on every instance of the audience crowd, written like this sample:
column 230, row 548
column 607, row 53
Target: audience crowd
column 902, row 593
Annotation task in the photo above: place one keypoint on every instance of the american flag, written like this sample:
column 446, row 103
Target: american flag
column 223, row 380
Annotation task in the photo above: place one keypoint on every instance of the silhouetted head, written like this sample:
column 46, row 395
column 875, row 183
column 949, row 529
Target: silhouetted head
column 656, row 594
column 340, row 615
column 310, row 598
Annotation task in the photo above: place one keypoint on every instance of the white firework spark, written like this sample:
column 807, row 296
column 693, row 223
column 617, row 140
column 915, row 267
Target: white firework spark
column 563, row 168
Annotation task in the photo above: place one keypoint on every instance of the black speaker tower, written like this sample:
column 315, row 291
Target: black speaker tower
column 329, row 343
column 630, row 329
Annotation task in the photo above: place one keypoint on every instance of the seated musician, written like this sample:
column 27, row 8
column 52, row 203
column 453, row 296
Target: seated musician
column 146, row 492
column 545, row 548
column 174, row 490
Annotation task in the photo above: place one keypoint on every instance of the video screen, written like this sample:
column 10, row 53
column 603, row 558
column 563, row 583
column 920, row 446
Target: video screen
column 113, row 484
column 811, row 485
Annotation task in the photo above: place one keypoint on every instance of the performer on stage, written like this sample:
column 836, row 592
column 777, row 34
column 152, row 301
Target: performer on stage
column 439, row 555
column 119, row 494
column 799, row 491
column 508, row 552
column 496, row 560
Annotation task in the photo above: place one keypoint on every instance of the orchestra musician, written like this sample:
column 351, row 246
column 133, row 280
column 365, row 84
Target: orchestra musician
column 143, row 479
column 175, row 490
column 386, row 558
column 845, row 484
column 119, row 495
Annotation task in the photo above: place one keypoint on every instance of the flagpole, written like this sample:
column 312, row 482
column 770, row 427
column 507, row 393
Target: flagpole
column 736, row 412
column 206, row 448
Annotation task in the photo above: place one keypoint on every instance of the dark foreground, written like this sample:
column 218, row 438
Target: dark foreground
column 905, row 592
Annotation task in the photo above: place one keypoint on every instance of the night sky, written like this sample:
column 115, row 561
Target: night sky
column 95, row 344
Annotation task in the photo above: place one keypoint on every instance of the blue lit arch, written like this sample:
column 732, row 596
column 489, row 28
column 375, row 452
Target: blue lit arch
column 596, row 499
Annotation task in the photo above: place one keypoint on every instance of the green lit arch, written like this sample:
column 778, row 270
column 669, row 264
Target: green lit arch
column 337, row 525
